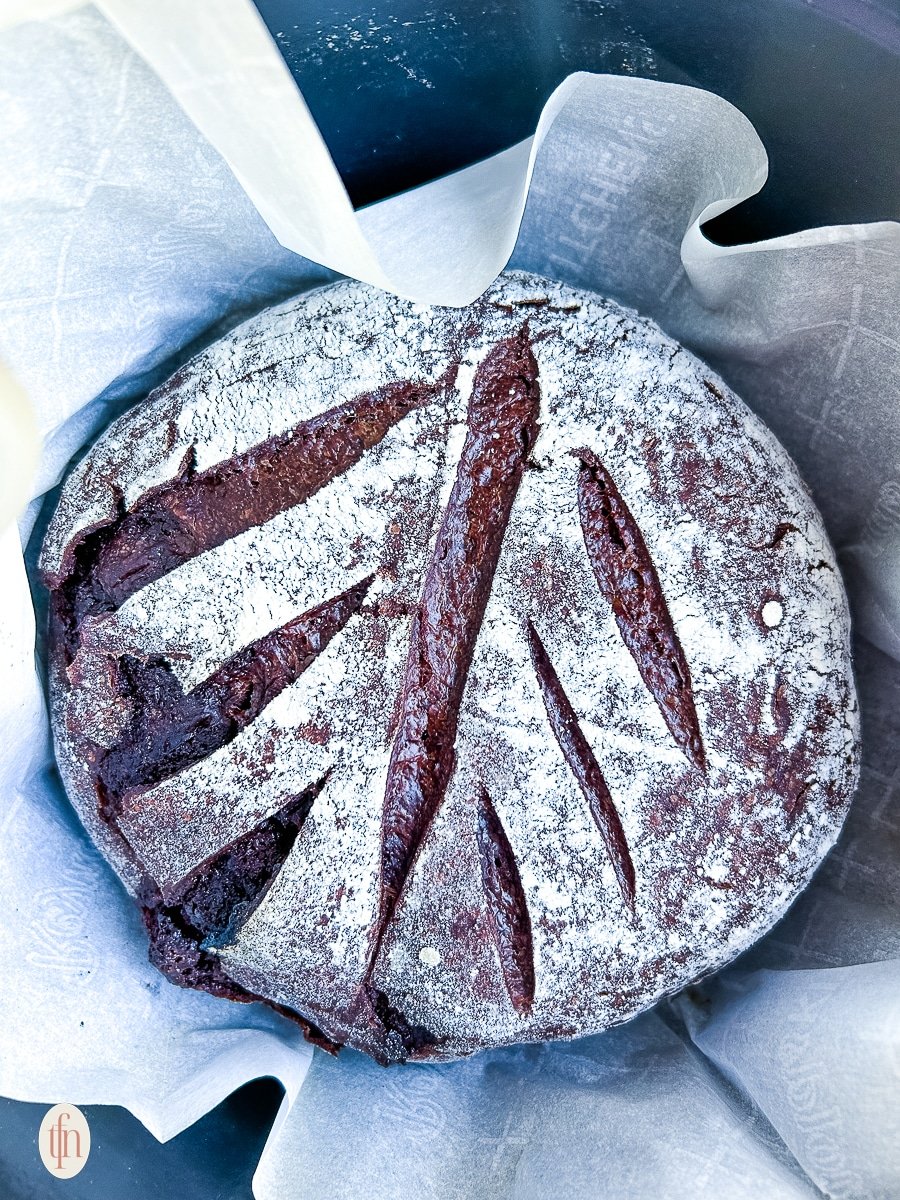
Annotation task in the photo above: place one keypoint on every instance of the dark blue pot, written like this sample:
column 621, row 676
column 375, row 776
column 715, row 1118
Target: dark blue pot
column 406, row 91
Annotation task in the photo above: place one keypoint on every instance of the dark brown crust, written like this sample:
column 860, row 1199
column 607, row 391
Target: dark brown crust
column 437, row 990
column 627, row 578
column 198, row 511
column 169, row 729
column 502, row 428
column 218, row 897
column 583, row 765
column 781, row 531
column 403, row 1039
column 215, row 900
column 507, row 910
column 790, row 774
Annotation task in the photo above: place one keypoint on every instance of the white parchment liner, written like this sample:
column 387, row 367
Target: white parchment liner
column 125, row 237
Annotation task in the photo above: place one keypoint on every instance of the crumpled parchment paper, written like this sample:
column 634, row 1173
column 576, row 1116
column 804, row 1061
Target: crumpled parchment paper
column 126, row 240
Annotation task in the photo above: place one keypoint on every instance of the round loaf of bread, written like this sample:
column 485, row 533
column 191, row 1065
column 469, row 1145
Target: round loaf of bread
column 449, row 678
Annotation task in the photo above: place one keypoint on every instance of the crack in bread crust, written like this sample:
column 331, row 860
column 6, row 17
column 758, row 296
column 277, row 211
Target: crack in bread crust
column 628, row 579
column 583, row 764
column 501, row 431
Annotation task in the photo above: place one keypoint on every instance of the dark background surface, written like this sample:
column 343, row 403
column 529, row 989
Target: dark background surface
column 407, row 90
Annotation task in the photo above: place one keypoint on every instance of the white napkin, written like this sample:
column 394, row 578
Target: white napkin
column 125, row 240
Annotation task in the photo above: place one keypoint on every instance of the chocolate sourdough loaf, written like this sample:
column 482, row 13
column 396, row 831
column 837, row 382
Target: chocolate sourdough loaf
column 449, row 678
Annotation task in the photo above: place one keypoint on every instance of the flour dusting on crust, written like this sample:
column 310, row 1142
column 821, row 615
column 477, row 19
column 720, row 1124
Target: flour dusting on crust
column 750, row 583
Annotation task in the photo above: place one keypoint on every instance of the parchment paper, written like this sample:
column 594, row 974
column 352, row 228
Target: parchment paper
column 126, row 240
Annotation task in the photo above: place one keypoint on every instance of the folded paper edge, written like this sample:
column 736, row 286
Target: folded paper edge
column 311, row 214
column 169, row 1112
